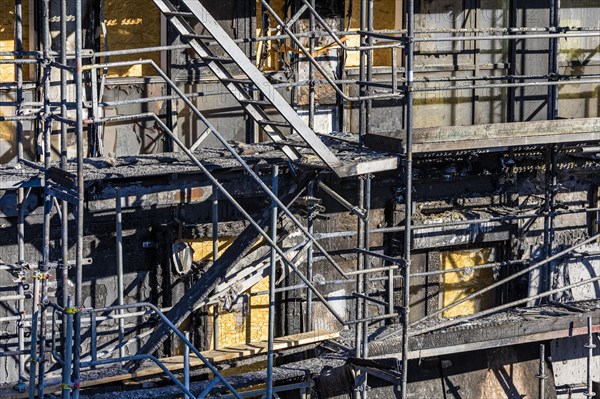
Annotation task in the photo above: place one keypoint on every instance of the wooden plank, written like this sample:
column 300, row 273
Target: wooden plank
column 490, row 136
column 257, row 348
column 175, row 363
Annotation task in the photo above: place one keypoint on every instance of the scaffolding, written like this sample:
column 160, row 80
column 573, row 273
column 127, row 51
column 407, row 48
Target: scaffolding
column 294, row 139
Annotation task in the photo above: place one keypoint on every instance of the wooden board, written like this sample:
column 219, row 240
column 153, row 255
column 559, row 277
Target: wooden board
column 175, row 363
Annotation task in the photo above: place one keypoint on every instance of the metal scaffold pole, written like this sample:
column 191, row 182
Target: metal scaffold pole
column 215, row 256
column 120, row 282
column 363, row 279
column 542, row 372
column 67, row 349
column 34, row 335
column 310, row 224
column 66, row 299
column 360, row 330
column 272, row 277
column 20, row 192
column 360, row 265
column 80, row 194
column 590, row 358
column 47, row 154
column 311, row 73
column 64, row 266
column 362, row 112
column 410, row 14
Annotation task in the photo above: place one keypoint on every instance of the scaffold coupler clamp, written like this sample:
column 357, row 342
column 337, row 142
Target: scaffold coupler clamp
column 71, row 310
column 42, row 276
column 541, row 376
column 67, row 387
column 590, row 346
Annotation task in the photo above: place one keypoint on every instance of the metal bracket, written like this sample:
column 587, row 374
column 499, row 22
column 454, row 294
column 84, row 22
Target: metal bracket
column 20, row 387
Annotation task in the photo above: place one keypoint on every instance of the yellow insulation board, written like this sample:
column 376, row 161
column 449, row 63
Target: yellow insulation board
column 132, row 24
column 237, row 327
column 7, row 71
column 459, row 285
column 272, row 60
column 7, row 35
column 387, row 15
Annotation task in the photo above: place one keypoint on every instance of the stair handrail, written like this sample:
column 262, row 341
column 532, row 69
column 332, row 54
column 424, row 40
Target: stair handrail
column 145, row 356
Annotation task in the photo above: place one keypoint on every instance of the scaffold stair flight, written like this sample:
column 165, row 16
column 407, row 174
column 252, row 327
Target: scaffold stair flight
column 281, row 114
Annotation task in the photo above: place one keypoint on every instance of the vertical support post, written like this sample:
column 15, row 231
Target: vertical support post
column 391, row 288
column 20, row 191
column 272, row 277
column 369, row 65
column 512, row 60
column 47, row 151
column 19, row 73
column 311, row 71
column 80, row 192
column 63, row 153
column 215, row 223
column 553, row 60
column 94, row 335
column 544, row 272
column 68, row 350
column 590, row 355
column 362, row 113
column 216, row 326
column 341, row 103
column 21, row 300
column 410, row 9
column 95, row 142
column 366, row 206
column 66, row 299
column 394, row 70
column 34, row 331
column 542, row 372
column 358, row 334
column 168, row 38
column 550, row 210
column 310, row 224
column 120, row 284
column 553, row 192
column 552, row 111
column 186, row 364
column 215, row 251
